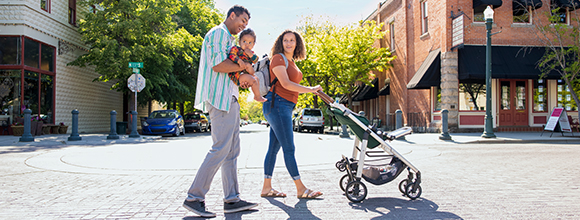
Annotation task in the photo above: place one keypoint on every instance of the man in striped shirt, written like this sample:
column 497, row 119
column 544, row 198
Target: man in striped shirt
column 218, row 95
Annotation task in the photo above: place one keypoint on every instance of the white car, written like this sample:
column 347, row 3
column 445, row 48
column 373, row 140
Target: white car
column 309, row 119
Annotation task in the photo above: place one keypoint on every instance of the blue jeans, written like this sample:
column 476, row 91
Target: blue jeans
column 281, row 135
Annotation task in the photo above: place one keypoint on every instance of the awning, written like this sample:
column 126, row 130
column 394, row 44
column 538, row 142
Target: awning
column 386, row 90
column 480, row 5
column 520, row 6
column 570, row 4
column 429, row 74
column 507, row 62
column 363, row 92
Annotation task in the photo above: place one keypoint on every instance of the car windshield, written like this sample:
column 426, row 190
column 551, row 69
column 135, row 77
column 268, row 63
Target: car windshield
column 162, row 115
column 312, row 112
column 192, row 117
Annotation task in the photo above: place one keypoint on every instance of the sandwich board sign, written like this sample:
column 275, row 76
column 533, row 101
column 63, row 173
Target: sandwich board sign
column 558, row 121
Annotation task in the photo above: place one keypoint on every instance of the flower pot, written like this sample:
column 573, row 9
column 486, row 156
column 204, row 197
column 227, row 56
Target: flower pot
column 33, row 127
column 54, row 129
column 62, row 129
column 39, row 128
column 46, row 129
column 17, row 130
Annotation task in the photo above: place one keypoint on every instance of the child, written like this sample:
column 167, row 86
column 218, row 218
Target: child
column 244, row 53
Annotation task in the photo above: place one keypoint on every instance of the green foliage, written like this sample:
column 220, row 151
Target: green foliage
column 340, row 56
column 160, row 33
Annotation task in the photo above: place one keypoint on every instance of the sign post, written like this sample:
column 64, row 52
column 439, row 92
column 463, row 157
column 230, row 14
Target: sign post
column 558, row 121
column 136, row 82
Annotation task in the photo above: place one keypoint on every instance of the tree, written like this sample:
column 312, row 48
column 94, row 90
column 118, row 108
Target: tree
column 473, row 89
column 147, row 31
column 562, row 42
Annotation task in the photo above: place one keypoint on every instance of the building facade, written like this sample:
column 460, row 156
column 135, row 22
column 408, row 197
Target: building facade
column 440, row 64
column 38, row 38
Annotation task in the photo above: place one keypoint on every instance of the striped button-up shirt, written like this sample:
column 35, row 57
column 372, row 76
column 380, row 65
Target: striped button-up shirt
column 215, row 88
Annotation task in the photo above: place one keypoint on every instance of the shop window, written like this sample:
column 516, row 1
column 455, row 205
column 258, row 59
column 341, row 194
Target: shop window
column 478, row 14
column 472, row 96
column 540, row 96
column 47, row 58
column 424, row 18
column 30, row 99
column 10, row 50
column 72, row 12
column 505, row 102
column 45, row 5
column 522, row 15
column 31, row 53
column 437, row 100
column 564, row 97
column 46, row 98
column 10, row 96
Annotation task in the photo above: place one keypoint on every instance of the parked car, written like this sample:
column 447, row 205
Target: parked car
column 309, row 119
column 264, row 122
column 208, row 120
column 164, row 122
column 196, row 122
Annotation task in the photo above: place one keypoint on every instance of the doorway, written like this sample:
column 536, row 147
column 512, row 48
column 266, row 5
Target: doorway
column 513, row 106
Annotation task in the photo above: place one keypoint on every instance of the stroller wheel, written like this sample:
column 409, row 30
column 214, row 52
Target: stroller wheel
column 403, row 186
column 413, row 194
column 344, row 182
column 356, row 191
column 340, row 166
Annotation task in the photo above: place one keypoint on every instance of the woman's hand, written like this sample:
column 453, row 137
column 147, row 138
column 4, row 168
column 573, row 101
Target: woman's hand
column 315, row 89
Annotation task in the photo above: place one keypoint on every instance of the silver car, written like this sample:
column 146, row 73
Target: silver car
column 309, row 119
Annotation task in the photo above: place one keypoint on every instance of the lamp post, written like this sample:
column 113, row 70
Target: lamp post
column 488, row 130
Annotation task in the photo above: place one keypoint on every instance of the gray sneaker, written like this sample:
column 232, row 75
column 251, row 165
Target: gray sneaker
column 238, row 206
column 198, row 208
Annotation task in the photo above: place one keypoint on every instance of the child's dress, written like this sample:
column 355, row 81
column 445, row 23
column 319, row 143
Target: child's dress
column 236, row 54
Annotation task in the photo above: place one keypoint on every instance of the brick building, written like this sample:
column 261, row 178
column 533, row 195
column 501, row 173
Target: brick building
column 436, row 69
column 38, row 38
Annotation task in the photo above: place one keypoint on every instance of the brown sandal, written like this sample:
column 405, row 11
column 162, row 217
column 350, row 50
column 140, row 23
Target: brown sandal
column 273, row 193
column 309, row 194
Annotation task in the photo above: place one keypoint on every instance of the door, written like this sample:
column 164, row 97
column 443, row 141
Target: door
column 513, row 105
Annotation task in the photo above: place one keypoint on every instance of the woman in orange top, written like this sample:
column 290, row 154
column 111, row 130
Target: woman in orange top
column 279, row 116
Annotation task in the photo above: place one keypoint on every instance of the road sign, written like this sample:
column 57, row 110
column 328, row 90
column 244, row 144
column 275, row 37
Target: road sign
column 135, row 64
column 136, row 83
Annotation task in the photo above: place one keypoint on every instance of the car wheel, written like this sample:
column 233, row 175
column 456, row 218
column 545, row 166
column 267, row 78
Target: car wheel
column 183, row 131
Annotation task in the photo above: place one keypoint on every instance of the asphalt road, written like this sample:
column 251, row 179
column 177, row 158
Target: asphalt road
column 149, row 180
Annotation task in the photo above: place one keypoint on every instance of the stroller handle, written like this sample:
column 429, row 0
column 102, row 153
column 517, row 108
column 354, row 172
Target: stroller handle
column 327, row 99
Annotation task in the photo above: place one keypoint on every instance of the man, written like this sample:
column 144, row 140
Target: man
column 218, row 95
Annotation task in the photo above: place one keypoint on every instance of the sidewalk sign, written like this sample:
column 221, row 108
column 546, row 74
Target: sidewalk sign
column 558, row 121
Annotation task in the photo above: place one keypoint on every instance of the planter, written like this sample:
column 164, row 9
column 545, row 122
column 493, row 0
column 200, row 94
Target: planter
column 54, row 129
column 46, row 129
column 62, row 129
column 38, row 128
column 33, row 127
column 17, row 130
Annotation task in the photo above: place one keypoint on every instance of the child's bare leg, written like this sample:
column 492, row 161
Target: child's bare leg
column 254, row 86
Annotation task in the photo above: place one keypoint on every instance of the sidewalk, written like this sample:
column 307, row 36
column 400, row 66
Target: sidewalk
column 62, row 139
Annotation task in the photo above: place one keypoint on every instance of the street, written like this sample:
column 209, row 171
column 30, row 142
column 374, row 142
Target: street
column 149, row 180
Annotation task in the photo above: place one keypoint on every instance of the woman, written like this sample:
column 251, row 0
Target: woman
column 279, row 115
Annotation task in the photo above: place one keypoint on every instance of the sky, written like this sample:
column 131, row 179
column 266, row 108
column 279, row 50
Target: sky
column 270, row 18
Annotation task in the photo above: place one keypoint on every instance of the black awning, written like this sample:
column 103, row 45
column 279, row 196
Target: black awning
column 368, row 92
column 479, row 5
column 571, row 4
column 386, row 90
column 429, row 73
column 506, row 63
column 520, row 6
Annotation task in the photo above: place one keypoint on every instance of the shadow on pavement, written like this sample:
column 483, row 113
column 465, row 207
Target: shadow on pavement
column 232, row 216
column 299, row 211
column 393, row 208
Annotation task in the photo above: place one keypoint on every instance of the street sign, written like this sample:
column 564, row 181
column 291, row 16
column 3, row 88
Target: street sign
column 136, row 83
column 135, row 64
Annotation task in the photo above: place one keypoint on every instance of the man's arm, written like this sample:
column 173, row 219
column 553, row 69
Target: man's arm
column 228, row 66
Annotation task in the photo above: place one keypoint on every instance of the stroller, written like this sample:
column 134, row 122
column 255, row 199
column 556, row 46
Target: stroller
column 382, row 166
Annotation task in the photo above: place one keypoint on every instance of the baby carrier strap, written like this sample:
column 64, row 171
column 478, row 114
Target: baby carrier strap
column 276, row 80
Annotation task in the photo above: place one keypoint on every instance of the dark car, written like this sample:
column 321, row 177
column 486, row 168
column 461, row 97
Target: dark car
column 164, row 122
column 196, row 122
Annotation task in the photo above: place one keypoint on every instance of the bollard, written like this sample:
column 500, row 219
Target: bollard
column 74, row 136
column 444, row 129
column 134, row 133
column 26, row 136
column 399, row 119
column 113, row 133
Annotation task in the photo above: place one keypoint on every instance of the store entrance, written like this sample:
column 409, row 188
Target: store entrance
column 513, row 105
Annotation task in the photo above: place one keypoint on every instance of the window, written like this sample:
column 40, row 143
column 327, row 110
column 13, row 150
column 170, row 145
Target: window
column 478, row 14
column 437, row 104
column 10, row 50
column 560, row 16
column 424, row 18
column 31, row 53
column 392, row 36
column 565, row 97
column 472, row 96
column 72, row 12
column 522, row 15
column 45, row 5
column 540, row 96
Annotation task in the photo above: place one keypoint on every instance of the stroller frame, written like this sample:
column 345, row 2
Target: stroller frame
column 351, row 183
